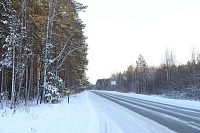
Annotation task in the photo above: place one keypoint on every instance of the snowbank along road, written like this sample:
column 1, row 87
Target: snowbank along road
column 178, row 119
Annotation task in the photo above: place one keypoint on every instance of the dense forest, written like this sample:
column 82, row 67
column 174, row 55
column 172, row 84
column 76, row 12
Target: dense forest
column 175, row 81
column 42, row 48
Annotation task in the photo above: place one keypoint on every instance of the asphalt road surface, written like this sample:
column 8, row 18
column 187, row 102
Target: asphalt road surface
column 178, row 119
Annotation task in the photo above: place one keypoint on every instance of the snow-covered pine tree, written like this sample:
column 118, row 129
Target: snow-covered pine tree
column 65, row 42
column 32, row 59
column 9, row 47
column 5, row 15
column 5, row 33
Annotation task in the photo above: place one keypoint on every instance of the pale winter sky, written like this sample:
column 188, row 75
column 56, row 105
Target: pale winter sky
column 119, row 30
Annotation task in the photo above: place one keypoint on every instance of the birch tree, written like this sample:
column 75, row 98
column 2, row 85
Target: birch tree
column 45, row 47
column 58, row 16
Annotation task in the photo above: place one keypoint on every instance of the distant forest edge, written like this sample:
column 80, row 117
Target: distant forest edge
column 168, row 79
column 42, row 48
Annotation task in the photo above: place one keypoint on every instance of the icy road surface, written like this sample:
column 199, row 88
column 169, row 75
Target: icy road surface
column 117, row 119
column 176, row 118
column 90, row 113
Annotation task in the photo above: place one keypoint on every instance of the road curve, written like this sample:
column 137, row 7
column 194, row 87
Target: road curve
column 178, row 119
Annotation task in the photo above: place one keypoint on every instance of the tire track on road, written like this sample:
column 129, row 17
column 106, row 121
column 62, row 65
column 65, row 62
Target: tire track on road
column 176, row 122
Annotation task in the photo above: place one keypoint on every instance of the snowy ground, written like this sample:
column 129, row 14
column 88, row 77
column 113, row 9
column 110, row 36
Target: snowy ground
column 86, row 113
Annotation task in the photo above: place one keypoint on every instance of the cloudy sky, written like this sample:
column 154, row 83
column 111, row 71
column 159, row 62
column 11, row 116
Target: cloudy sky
column 119, row 30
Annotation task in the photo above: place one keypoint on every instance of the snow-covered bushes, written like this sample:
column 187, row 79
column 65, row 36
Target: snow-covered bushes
column 4, row 95
column 53, row 91
column 52, row 94
column 191, row 93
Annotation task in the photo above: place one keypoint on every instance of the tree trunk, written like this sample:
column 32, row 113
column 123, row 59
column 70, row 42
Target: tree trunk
column 38, row 79
column 26, row 87
column 1, row 90
column 46, row 45
column 13, row 78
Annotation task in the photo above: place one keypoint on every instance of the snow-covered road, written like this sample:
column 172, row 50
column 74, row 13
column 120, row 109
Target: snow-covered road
column 117, row 119
column 86, row 113
column 176, row 118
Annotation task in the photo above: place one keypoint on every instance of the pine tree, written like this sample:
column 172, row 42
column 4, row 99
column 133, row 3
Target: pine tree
column 42, row 46
column 64, row 43
column 142, row 74
column 5, row 29
column 6, row 17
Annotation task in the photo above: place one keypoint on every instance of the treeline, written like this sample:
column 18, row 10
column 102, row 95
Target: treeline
column 182, row 81
column 42, row 48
